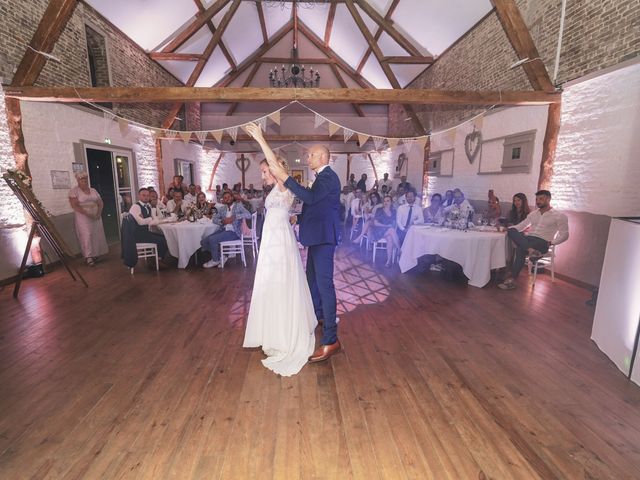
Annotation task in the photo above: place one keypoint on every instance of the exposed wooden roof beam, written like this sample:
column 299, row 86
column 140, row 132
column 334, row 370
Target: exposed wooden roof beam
column 303, row 61
column 187, row 57
column 407, row 60
column 200, row 20
column 329, row 28
column 520, row 38
column 379, row 56
column 212, row 29
column 343, row 84
column 263, row 24
column 231, row 76
column 51, row 26
column 355, row 76
column 197, row 71
column 387, row 26
column 416, row 96
column 377, row 36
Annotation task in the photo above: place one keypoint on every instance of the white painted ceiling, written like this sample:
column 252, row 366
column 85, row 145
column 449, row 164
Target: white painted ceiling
column 431, row 26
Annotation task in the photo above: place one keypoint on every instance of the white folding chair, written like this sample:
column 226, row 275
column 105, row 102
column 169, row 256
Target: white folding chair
column 252, row 240
column 147, row 250
column 354, row 224
column 382, row 245
column 231, row 248
column 547, row 260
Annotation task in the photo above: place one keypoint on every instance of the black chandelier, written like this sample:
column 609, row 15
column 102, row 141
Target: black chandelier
column 294, row 76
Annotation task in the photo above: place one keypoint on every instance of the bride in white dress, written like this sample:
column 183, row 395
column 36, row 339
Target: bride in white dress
column 281, row 316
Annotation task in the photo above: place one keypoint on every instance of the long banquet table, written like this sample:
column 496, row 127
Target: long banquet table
column 478, row 252
column 183, row 238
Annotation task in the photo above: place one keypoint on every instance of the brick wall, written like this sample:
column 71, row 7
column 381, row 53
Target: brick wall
column 597, row 34
column 128, row 63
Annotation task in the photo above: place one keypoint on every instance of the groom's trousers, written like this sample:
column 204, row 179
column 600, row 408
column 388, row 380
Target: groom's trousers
column 323, row 292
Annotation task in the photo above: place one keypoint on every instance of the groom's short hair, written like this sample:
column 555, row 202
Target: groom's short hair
column 324, row 150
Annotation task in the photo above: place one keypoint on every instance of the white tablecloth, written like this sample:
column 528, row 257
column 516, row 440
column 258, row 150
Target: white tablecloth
column 477, row 252
column 183, row 238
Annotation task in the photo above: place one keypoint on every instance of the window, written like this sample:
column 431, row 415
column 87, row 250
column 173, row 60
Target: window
column 435, row 161
column 98, row 61
column 518, row 152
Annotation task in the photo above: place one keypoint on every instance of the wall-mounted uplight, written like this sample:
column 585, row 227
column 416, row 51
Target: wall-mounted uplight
column 107, row 140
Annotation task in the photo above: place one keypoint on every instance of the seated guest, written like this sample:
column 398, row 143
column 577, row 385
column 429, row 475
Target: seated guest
column 178, row 184
column 519, row 210
column 362, row 183
column 434, row 213
column 141, row 212
column 403, row 183
column 229, row 216
column 355, row 207
column 256, row 202
column 385, row 182
column 546, row 226
column 384, row 190
column 177, row 206
column 460, row 206
column 448, row 198
column 345, row 199
column 384, row 227
column 190, row 197
column 401, row 198
column 370, row 209
column 408, row 214
column 251, row 190
column 493, row 211
column 157, row 207
column 352, row 181
column 202, row 205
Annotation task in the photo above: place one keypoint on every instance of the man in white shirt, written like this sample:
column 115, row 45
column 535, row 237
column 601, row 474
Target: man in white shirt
column 409, row 213
column 386, row 181
column 191, row 196
column 157, row 207
column 546, row 227
column 177, row 205
column 460, row 205
column 141, row 211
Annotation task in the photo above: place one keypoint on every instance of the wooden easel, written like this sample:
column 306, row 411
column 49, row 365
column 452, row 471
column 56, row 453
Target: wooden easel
column 43, row 225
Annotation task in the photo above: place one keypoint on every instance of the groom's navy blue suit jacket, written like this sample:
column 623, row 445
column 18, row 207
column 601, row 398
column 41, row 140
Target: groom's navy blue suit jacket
column 320, row 219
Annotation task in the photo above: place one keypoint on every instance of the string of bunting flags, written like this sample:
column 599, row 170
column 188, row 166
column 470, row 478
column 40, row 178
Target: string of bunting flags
column 333, row 128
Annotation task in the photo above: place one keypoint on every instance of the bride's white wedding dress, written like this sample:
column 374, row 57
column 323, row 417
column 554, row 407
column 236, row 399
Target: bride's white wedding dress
column 281, row 316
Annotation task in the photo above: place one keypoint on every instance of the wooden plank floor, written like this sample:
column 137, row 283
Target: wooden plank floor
column 145, row 377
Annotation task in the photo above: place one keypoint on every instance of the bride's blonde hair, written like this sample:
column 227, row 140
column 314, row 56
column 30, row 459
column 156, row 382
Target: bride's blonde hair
column 281, row 161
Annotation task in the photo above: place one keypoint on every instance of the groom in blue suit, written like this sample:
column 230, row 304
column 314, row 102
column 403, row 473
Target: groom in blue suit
column 320, row 231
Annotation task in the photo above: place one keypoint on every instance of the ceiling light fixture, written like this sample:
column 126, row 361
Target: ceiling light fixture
column 294, row 75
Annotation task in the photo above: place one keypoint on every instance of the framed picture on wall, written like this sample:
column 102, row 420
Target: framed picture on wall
column 186, row 168
column 299, row 175
column 60, row 179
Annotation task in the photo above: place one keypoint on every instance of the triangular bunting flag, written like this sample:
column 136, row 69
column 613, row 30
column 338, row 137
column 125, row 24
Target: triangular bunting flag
column 362, row 138
column 378, row 142
column 422, row 143
column 347, row 134
column 275, row 117
column 201, row 136
column 233, row 132
column 263, row 123
column 477, row 123
column 108, row 116
column 169, row 135
column 333, row 128
column 408, row 144
column 393, row 142
column 319, row 120
column 124, row 126
column 244, row 128
column 217, row 135
column 185, row 136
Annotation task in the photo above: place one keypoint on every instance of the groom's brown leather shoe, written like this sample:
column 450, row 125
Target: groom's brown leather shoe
column 324, row 352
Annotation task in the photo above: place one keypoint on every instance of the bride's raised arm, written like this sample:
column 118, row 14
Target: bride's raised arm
column 278, row 170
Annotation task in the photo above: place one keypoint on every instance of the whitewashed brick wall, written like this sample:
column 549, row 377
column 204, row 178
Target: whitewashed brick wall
column 466, row 175
column 50, row 131
column 597, row 165
column 13, row 236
